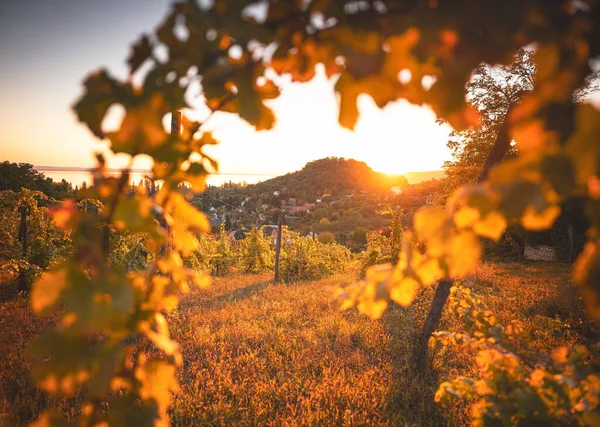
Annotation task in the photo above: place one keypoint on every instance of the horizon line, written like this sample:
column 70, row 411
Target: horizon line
column 149, row 171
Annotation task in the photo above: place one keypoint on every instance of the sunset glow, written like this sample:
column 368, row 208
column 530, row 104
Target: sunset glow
column 307, row 118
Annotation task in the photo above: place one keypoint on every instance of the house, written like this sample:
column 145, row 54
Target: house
column 270, row 230
column 291, row 201
column 300, row 209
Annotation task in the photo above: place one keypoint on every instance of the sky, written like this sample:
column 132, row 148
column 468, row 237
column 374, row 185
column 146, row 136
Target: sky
column 49, row 46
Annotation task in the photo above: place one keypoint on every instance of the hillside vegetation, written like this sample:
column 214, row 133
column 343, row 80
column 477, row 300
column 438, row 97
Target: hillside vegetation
column 340, row 176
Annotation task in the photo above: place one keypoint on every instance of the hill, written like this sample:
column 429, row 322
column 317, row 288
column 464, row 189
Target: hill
column 340, row 176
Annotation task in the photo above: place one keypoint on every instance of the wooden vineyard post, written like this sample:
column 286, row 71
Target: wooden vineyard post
column 277, row 248
column 23, row 239
column 175, row 129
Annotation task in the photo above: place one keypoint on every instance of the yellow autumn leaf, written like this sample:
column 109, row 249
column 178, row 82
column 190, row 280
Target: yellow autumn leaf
column 187, row 220
column 491, row 226
column 466, row 216
column 158, row 382
column 372, row 308
column 162, row 341
column 400, row 56
column 433, row 228
column 134, row 214
column 200, row 279
column 46, row 419
column 141, row 129
column 429, row 271
column 343, row 299
column 546, row 58
column 404, row 291
column 560, row 355
column 63, row 214
column 372, row 300
column 379, row 273
column 47, row 289
column 533, row 135
column 582, row 146
column 428, row 221
column 464, row 252
column 534, row 220
column 586, row 274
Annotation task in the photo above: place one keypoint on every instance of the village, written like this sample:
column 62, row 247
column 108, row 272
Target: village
column 345, row 217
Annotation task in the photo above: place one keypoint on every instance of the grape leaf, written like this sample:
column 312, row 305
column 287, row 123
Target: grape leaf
column 141, row 51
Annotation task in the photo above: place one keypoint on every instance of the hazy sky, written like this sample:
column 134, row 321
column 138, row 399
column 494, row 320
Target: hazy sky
column 47, row 47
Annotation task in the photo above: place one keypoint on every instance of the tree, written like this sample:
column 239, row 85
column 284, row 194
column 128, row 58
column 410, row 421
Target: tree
column 351, row 220
column 396, row 235
column 321, row 214
column 366, row 45
column 359, row 236
column 14, row 176
column 324, row 223
column 492, row 91
column 326, row 237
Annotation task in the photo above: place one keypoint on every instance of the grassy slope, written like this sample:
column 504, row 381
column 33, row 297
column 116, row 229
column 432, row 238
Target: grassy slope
column 257, row 353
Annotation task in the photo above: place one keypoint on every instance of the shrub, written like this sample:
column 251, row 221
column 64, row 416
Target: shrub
column 517, row 383
column 215, row 255
column 256, row 253
column 378, row 251
column 303, row 258
column 326, row 237
column 129, row 251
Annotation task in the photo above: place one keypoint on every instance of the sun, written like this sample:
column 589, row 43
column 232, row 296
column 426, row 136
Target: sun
column 401, row 138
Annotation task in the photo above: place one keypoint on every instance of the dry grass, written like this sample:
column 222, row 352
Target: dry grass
column 262, row 354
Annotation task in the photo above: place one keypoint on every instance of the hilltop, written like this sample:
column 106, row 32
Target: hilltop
column 337, row 176
column 344, row 198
